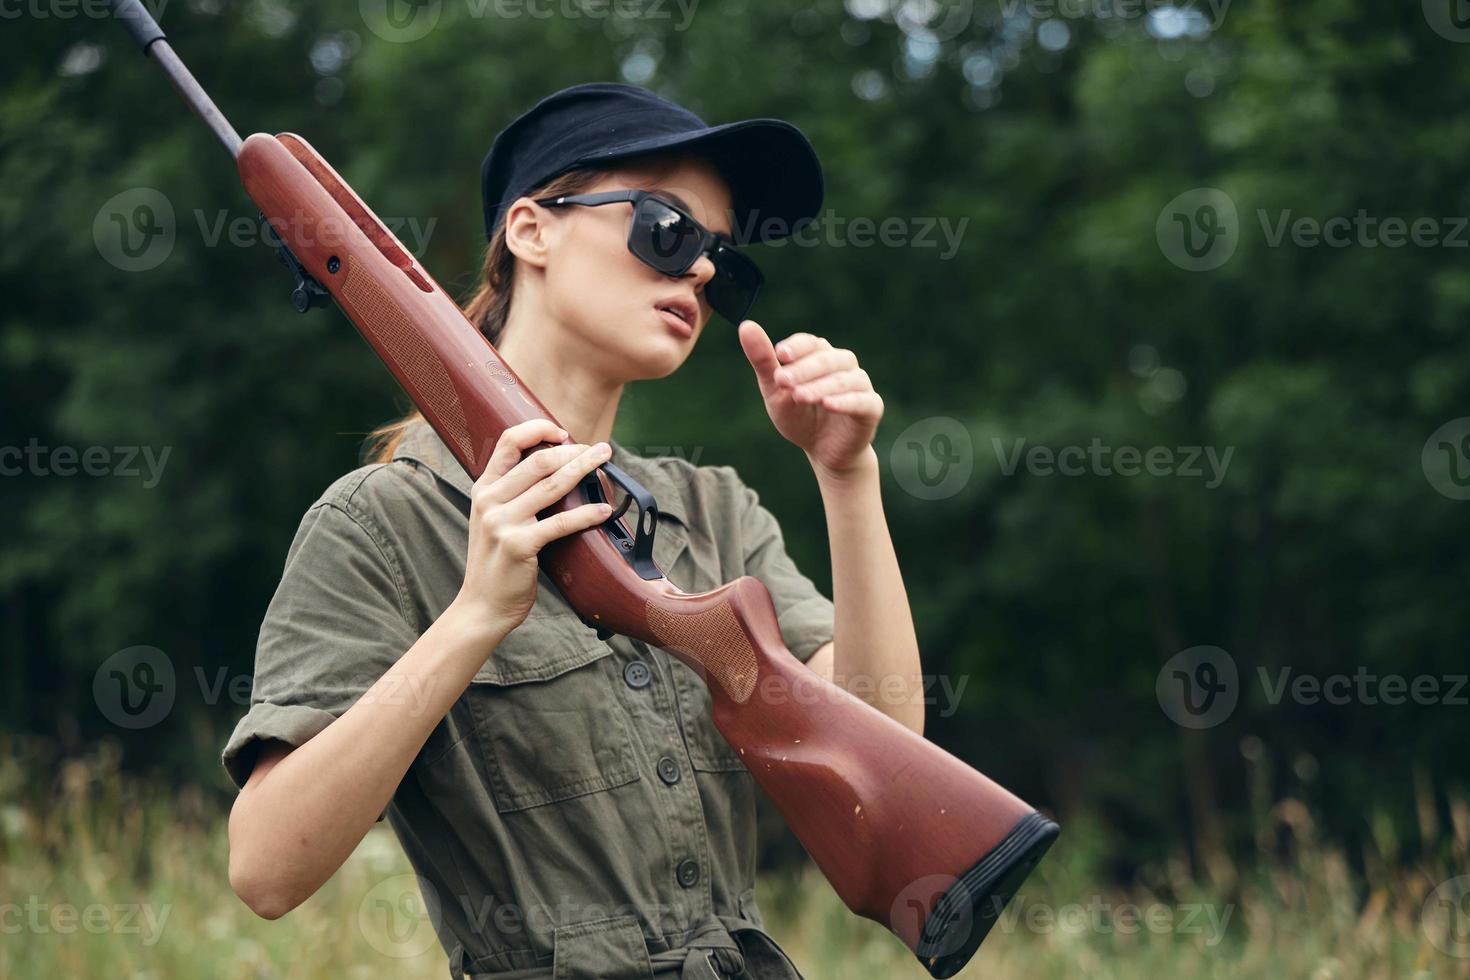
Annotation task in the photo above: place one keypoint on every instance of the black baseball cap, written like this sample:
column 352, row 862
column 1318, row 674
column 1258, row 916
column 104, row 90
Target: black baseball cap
column 772, row 168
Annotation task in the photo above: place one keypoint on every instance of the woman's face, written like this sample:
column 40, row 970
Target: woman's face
column 598, row 295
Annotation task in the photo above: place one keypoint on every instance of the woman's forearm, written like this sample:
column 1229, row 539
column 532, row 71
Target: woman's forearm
column 296, row 821
column 301, row 814
column 876, row 652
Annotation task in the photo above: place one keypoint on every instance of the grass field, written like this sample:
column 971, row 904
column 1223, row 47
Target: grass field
column 101, row 876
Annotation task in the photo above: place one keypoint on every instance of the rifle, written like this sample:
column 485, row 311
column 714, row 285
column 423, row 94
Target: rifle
column 907, row 834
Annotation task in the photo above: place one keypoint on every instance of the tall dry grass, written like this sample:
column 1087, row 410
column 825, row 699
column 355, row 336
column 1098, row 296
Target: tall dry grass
column 102, row 875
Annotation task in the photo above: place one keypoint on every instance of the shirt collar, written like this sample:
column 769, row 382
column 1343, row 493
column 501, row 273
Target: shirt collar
column 422, row 444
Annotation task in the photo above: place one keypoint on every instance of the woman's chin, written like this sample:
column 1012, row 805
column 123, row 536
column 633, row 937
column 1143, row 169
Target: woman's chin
column 660, row 353
column 661, row 358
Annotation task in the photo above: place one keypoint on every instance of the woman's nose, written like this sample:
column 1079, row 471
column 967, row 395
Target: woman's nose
column 703, row 270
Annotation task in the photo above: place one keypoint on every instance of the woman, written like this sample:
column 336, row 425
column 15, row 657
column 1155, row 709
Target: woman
column 567, row 804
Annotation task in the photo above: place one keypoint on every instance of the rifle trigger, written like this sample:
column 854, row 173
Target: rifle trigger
column 638, row 549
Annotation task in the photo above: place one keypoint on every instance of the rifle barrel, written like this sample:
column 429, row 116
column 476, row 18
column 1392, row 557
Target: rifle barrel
column 152, row 41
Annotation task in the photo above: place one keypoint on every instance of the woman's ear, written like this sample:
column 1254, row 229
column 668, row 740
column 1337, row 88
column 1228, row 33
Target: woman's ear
column 528, row 231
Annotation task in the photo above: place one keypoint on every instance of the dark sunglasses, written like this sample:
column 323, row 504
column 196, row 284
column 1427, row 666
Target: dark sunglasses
column 668, row 238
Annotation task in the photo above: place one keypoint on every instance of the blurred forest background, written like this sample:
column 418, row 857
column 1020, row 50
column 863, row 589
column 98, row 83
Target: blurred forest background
column 1063, row 142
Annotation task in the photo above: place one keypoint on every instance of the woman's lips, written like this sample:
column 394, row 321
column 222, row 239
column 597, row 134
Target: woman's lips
column 676, row 323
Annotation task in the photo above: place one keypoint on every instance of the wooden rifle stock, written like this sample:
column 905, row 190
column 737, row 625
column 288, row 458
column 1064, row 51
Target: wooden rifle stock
column 907, row 834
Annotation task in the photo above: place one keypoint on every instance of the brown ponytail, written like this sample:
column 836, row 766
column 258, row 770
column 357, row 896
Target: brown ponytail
column 488, row 306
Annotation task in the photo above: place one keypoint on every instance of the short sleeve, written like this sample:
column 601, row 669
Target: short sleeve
column 803, row 612
column 336, row 624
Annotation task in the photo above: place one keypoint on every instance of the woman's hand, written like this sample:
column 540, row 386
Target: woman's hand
column 505, row 536
column 817, row 396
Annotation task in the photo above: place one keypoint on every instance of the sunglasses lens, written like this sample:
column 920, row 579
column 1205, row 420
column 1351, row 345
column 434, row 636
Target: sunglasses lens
column 669, row 242
column 735, row 285
column 663, row 237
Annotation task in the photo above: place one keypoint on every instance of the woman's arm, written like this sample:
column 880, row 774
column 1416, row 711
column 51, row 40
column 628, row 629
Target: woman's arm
column 874, row 653
column 821, row 400
column 304, row 809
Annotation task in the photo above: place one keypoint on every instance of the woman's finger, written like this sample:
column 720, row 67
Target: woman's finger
column 854, row 379
column 811, row 366
column 535, row 467
column 798, row 345
column 514, row 441
column 861, row 404
column 544, row 531
column 557, row 484
column 759, row 352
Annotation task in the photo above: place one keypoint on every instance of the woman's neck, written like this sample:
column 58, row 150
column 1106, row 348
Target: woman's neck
column 582, row 402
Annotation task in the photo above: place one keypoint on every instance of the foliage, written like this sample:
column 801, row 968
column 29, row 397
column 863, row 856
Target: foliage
column 1059, row 320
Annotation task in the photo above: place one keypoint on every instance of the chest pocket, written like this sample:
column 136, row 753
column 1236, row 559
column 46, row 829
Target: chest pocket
column 546, row 713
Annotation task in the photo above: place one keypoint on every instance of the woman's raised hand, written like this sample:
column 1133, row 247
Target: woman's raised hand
column 817, row 395
column 506, row 535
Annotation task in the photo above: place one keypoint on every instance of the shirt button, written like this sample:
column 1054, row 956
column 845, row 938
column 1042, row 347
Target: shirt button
column 637, row 674
column 668, row 770
column 688, row 872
